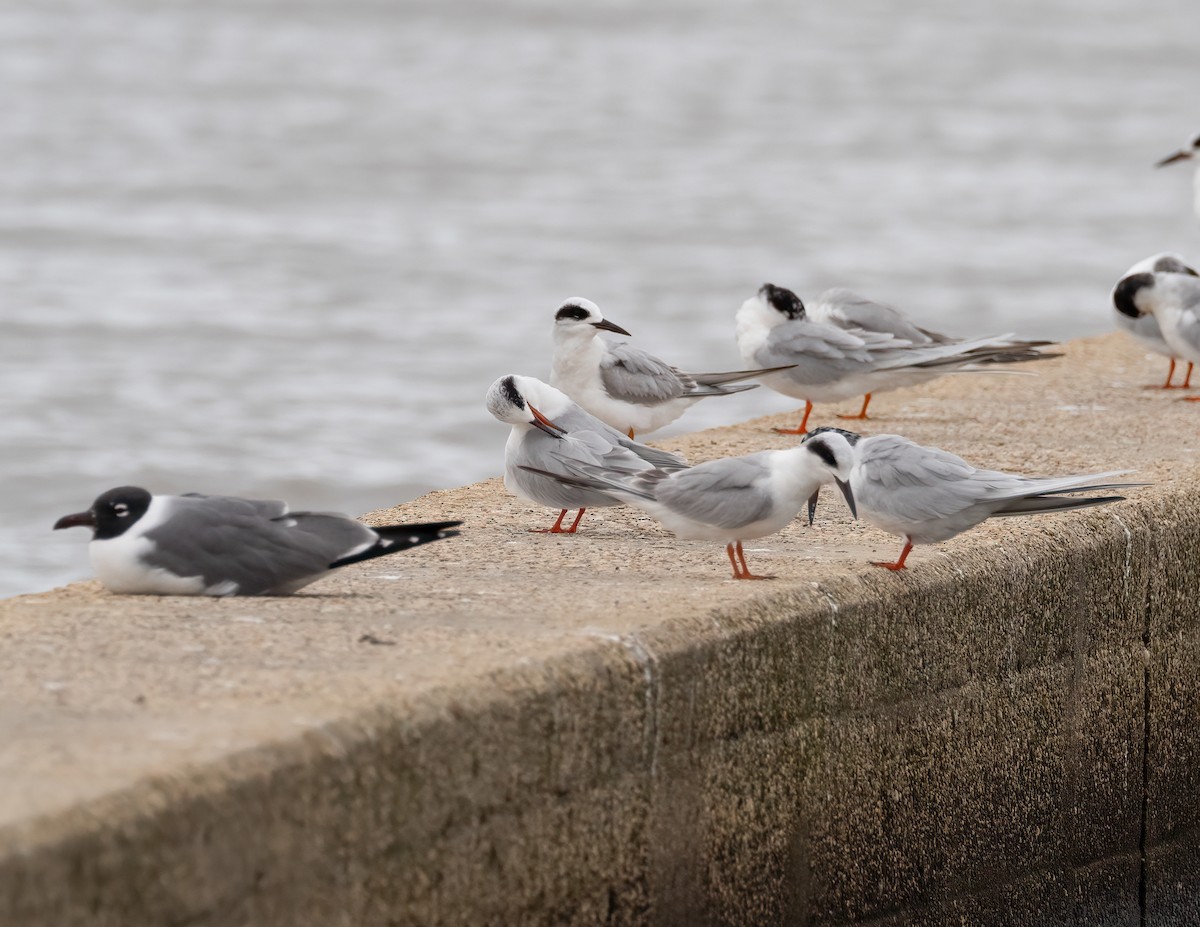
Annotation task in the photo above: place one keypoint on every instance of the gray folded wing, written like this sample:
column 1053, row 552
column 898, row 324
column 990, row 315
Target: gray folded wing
column 729, row 493
column 229, row 544
column 917, row 484
column 634, row 376
column 848, row 310
column 577, row 423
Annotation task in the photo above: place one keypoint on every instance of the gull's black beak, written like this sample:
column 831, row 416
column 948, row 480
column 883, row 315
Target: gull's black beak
column 78, row 520
column 607, row 326
column 845, row 488
column 1180, row 155
column 540, row 421
column 812, row 505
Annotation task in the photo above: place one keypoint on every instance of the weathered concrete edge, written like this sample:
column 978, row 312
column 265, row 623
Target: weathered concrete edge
column 175, row 849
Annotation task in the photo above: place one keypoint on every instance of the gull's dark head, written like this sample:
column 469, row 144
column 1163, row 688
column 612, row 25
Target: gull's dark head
column 782, row 300
column 579, row 315
column 112, row 514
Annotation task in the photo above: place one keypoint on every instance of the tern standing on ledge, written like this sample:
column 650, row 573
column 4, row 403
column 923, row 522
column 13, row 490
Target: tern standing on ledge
column 1173, row 299
column 1143, row 326
column 625, row 387
column 548, row 428
column 823, row 362
column 731, row 499
column 927, row 495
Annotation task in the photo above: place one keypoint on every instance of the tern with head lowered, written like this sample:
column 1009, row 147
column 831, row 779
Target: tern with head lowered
column 1143, row 326
column 631, row 390
column 1189, row 152
column 828, row 362
column 549, row 429
column 927, row 495
column 222, row 545
column 731, row 500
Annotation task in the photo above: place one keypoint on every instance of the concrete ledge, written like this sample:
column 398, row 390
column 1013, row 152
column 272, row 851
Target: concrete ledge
column 604, row 730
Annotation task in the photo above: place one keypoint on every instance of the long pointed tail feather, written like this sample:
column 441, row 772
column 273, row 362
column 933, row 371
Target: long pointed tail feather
column 395, row 538
column 732, row 376
column 1035, row 505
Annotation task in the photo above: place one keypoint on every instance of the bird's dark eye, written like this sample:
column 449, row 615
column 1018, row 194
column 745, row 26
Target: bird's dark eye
column 121, row 509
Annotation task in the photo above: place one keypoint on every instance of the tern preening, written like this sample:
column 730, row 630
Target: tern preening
column 222, row 545
column 850, row 346
column 548, row 428
column 1143, row 324
column 927, row 495
column 631, row 390
column 731, row 500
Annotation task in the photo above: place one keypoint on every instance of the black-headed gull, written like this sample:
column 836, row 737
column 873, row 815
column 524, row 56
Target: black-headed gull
column 222, row 545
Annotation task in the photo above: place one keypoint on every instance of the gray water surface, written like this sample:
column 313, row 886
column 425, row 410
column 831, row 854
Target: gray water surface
column 282, row 248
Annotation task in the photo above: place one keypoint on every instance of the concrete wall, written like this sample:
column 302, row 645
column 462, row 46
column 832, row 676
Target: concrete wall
column 1007, row 735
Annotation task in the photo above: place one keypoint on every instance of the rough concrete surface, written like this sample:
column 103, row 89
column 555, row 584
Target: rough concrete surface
column 606, row 729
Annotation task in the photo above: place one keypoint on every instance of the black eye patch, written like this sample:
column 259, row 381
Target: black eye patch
column 578, row 313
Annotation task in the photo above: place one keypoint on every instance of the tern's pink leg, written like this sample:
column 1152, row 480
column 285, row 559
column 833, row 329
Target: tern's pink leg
column 803, row 429
column 862, row 414
column 899, row 564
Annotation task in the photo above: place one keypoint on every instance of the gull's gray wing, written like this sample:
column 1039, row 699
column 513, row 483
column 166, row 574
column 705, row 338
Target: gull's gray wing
column 267, row 508
column 229, row 544
column 729, row 493
column 632, row 375
column 849, row 311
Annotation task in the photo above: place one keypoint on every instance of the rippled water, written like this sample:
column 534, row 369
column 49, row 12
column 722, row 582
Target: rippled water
column 282, row 248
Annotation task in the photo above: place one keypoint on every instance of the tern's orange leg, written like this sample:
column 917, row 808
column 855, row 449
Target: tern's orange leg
column 1170, row 374
column 1170, row 377
column 630, row 432
column 862, row 414
column 557, row 528
column 745, row 574
column 803, row 429
column 1187, row 381
column 899, row 564
column 575, row 523
column 737, row 571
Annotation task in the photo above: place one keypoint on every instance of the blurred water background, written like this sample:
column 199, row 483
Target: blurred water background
column 281, row 247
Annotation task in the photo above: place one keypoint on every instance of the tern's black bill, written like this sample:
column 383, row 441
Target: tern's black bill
column 1180, row 155
column 844, row 486
column 812, row 506
column 78, row 520
column 605, row 325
